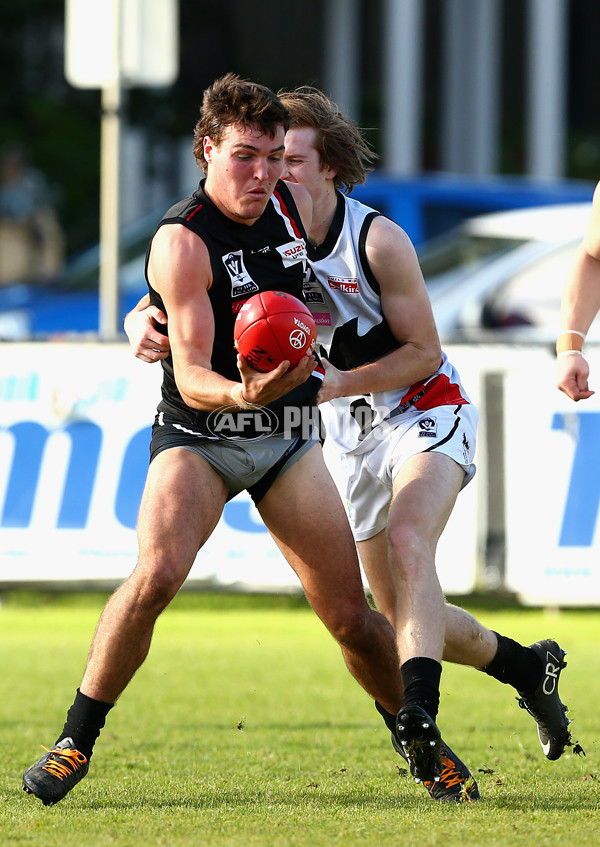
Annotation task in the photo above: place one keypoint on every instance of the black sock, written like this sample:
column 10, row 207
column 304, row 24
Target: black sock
column 515, row 665
column 421, row 677
column 85, row 719
column 389, row 719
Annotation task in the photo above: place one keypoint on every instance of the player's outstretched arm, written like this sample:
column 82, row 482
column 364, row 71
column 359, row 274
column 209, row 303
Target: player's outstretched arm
column 579, row 306
column 147, row 343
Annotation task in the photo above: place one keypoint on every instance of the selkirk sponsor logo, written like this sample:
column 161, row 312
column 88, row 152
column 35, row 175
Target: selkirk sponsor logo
column 346, row 286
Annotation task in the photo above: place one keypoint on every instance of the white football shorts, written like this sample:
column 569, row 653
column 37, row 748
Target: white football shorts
column 372, row 467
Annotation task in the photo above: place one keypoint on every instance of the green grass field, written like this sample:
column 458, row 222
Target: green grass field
column 244, row 728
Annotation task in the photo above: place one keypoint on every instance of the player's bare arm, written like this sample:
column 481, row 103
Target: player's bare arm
column 147, row 343
column 580, row 305
column 581, row 297
column 179, row 270
column 407, row 309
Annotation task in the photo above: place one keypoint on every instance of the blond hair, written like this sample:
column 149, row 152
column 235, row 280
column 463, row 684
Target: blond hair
column 338, row 141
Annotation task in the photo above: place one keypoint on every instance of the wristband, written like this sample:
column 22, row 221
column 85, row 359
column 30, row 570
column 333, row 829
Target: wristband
column 564, row 353
column 237, row 395
column 570, row 340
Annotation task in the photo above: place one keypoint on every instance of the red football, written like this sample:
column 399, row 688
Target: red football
column 274, row 326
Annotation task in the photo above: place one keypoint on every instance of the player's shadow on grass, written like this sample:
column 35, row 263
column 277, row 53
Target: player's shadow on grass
column 399, row 793
column 217, row 799
column 329, row 801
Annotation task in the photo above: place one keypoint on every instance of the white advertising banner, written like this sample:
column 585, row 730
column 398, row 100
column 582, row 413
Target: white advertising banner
column 553, row 484
column 74, row 433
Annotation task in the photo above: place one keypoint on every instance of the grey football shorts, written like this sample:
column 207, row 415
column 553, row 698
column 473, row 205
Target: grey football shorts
column 242, row 465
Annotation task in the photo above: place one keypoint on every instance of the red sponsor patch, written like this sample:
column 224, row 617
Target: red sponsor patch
column 293, row 251
column 347, row 286
column 439, row 391
column 235, row 307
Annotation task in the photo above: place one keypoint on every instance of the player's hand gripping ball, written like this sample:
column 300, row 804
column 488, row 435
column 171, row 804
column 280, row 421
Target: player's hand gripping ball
column 274, row 326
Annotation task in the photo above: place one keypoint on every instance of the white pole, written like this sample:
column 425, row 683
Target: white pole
column 546, row 116
column 109, row 193
column 403, row 85
column 341, row 58
column 486, row 88
column 470, row 85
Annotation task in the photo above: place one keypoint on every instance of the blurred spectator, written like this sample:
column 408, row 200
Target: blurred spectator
column 31, row 238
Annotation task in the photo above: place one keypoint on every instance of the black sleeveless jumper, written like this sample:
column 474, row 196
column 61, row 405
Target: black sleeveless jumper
column 269, row 255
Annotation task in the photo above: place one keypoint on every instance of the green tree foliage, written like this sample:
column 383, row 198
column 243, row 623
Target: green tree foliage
column 57, row 124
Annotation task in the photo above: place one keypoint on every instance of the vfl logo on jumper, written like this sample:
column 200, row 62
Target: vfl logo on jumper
column 427, row 428
column 553, row 669
column 346, row 286
column 292, row 252
column 242, row 283
column 233, row 423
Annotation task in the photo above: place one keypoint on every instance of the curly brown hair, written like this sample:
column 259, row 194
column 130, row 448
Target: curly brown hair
column 230, row 101
column 338, row 141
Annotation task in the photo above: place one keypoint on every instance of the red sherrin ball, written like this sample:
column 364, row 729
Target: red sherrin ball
column 274, row 326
